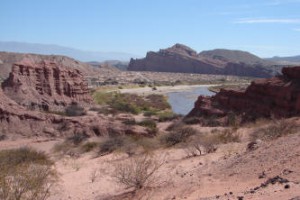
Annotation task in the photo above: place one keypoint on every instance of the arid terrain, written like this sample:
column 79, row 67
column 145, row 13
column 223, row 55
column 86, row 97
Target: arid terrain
column 59, row 140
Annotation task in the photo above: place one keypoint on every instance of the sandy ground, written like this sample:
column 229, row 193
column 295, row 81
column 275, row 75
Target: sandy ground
column 163, row 89
column 232, row 172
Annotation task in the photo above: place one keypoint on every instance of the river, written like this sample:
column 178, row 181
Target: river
column 180, row 97
column 182, row 102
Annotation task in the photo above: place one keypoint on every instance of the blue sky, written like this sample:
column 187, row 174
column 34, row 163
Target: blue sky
column 264, row 27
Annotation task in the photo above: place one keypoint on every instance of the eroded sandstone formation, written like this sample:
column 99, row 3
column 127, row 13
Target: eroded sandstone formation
column 45, row 85
column 180, row 58
column 274, row 97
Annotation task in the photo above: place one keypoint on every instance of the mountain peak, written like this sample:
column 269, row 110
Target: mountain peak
column 182, row 49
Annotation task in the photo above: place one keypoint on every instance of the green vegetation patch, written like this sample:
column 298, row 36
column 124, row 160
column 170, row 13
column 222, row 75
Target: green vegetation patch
column 132, row 103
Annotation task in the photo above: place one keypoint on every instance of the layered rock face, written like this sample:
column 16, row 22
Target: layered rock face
column 17, row 121
column 277, row 97
column 45, row 85
column 180, row 58
column 8, row 59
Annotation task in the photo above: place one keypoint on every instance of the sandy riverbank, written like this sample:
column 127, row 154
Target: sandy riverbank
column 163, row 89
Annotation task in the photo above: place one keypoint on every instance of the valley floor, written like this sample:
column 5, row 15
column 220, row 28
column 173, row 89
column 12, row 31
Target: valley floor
column 232, row 172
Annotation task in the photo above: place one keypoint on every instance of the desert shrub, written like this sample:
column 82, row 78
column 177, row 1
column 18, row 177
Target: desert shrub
column 158, row 102
column 226, row 136
column 177, row 136
column 138, row 172
column 200, row 144
column 110, row 144
column 2, row 137
column 103, row 98
column 175, row 126
column 150, row 113
column 194, row 148
column 149, row 123
column 131, row 103
column 77, row 138
column 22, row 156
column 25, row 174
column 275, row 130
column 64, row 148
column 232, row 119
column 148, row 144
column 124, row 106
column 129, row 122
column 211, row 121
column 96, row 109
column 223, row 136
column 167, row 116
column 209, row 144
column 75, row 110
column 89, row 146
column 191, row 120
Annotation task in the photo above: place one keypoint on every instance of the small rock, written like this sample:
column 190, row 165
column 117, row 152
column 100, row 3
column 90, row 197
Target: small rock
column 287, row 186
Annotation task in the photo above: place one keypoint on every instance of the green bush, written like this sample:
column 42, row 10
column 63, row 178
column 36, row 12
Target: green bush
column 150, row 113
column 167, row 116
column 132, row 103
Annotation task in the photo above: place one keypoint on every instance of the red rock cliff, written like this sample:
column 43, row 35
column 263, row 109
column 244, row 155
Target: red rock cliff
column 278, row 96
column 45, row 85
column 180, row 58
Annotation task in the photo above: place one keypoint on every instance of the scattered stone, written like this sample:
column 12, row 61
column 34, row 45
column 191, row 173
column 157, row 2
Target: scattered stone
column 262, row 175
column 286, row 172
column 287, row 186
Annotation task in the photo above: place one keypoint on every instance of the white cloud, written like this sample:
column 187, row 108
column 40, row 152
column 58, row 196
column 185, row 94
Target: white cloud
column 267, row 21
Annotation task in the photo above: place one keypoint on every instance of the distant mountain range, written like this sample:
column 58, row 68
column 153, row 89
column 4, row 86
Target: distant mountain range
column 291, row 60
column 45, row 49
column 180, row 58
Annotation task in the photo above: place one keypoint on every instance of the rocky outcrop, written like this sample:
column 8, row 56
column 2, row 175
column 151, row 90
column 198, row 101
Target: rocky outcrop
column 8, row 59
column 16, row 121
column 274, row 97
column 45, row 85
column 180, row 58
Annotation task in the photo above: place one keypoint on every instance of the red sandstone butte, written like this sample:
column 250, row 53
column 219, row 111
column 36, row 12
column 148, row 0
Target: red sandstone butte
column 45, row 85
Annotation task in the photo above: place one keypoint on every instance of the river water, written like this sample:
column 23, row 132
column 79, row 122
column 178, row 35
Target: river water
column 182, row 102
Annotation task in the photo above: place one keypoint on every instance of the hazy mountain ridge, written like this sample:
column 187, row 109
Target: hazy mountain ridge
column 290, row 60
column 235, row 56
column 45, row 49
